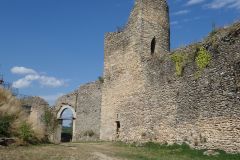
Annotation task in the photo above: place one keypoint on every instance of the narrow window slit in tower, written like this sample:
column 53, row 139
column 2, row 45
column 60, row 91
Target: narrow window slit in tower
column 153, row 45
column 118, row 128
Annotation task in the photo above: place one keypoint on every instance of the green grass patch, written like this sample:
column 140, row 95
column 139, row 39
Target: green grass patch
column 154, row 151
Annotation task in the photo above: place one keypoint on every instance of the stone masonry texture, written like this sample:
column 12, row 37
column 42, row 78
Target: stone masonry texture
column 143, row 99
column 36, row 106
column 86, row 102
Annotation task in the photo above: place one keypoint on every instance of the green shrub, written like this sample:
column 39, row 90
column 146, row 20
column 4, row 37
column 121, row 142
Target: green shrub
column 180, row 61
column 203, row 58
column 5, row 125
column 50, row 120
column 13, row 119
column 25, row 132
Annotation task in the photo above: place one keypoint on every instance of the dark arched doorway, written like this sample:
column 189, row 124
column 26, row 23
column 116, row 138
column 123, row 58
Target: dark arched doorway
column 66, row 117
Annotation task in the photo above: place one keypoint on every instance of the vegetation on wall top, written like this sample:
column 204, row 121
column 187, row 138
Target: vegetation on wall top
column 203, row 58
column 180, row 60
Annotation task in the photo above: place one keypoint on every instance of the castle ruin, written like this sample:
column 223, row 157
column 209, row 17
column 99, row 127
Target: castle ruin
column 143, row 99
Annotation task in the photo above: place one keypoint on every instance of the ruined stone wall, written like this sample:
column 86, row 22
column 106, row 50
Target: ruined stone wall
column 198, row 108
column 208, row 105
column 88, row 111
column 36, row 106
column 144, row 100
column 86, row 102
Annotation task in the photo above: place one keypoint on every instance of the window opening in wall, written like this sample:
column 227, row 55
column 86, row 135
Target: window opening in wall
column 118, row 128
column 153, row 45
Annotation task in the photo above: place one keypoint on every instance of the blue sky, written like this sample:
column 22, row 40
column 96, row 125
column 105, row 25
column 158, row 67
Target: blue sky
column 50, row 47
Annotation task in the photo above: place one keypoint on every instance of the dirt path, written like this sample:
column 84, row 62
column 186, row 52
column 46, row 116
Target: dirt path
column 101, row 156
column 67, row 151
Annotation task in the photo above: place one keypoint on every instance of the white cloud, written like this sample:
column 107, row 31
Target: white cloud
column 174, row 23
column 22, row 83
column 26, row 81
column 51, row 99
column 236, row 5
column 33, row 76
column 217, row 4
column 51, row 81
column 193, row 2
column 22, row 70
column 181, row 12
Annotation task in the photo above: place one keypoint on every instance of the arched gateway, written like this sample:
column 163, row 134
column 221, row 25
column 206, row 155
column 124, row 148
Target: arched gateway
column 85, row 105
column 60, row 119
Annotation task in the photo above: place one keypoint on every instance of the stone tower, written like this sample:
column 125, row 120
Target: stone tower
column 154, row 33
column 127, row 66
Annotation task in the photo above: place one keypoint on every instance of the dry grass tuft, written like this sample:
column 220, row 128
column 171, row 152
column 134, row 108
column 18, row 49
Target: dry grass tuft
column 11, row 106
column 13, row 119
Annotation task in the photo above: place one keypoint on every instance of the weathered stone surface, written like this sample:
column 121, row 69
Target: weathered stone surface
column 142, row 98
column 86, row 104
column 124, row 77
column 35, row 106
